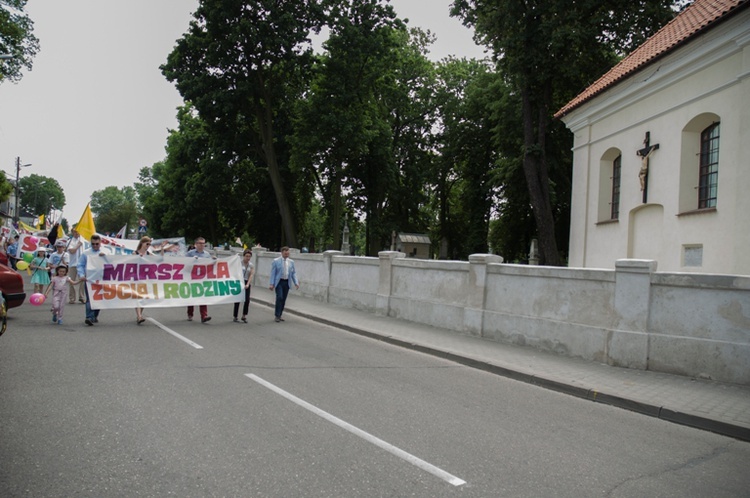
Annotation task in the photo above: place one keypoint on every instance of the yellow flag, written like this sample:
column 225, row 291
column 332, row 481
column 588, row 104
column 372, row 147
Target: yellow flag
column 85, row 225
column 40, row 223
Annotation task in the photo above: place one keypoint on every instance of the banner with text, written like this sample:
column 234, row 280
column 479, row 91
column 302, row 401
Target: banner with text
column 119, row 281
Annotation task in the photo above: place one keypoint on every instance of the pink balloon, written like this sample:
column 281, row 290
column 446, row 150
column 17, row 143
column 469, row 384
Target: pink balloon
column 33, row 239
column 37, row 299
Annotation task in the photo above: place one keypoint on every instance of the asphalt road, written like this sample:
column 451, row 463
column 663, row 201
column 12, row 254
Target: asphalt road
column 177, row 408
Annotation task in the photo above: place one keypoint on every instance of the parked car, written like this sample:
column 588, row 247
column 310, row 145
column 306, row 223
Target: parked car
column 11, row 287
column 3, row 315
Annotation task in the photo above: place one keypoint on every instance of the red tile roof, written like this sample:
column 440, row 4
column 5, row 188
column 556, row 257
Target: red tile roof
column 699, row 17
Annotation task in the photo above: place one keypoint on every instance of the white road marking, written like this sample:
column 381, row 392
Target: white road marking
column 364, row 435
column 167, row 329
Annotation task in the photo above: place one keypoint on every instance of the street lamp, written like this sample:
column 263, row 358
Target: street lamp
column 36, row 194
column 50, row 210
column 18, row 173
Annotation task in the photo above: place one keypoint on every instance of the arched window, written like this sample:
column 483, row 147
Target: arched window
column 616, row 169
column 610, row 166
column 699, row 164
column 708, row 178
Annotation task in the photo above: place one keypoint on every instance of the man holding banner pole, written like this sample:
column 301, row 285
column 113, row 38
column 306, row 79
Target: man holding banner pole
column 199, row 252
column 92, row 315
column 75, row 248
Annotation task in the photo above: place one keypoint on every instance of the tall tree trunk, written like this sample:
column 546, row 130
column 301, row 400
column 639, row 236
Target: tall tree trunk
column 264, row 115
column 537, row 178
column 443, row 217
column 336, row 202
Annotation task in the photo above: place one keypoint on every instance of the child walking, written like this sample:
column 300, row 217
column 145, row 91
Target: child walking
column 40, row 265
column 59, row 287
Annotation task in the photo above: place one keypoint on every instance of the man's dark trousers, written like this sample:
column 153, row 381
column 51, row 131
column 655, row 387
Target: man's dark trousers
column 282, row 290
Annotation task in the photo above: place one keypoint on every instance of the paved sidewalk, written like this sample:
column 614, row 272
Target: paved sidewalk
column 713, row 406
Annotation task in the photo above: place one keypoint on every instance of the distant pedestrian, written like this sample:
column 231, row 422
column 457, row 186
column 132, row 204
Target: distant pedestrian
column 12, row 252
column 248, row 270
column 282, row 272
column 199, row 252
column 40, row 266
column 92, row 315
column 59, row 286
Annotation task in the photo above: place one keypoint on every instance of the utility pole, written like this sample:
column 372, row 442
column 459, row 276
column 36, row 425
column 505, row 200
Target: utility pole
column 18, row 190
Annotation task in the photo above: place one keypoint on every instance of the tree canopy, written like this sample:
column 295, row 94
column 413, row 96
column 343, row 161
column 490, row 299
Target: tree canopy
column 114, row 208
column 238, row 62
column 17, row 40
column 39, row 194
column 278, row 144
column 549, row 50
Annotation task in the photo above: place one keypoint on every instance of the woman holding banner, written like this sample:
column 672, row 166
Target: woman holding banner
column 248, row 270
column 144, row 248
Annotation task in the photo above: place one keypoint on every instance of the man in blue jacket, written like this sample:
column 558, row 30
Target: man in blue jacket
column 282, row 272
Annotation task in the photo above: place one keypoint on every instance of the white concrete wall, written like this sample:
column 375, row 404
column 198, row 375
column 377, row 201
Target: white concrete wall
column 354, row 282
column 700, row 324
column 710, row 75
column 633, row 316
column 428, row 291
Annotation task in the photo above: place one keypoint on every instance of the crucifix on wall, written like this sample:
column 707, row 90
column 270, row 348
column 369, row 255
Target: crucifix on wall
column 644, row 154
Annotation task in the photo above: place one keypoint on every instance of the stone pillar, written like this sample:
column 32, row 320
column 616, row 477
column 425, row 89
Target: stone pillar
column 328, row 261
column 345, row 236
column 628, row 344
column 383, row 299
column 534, row 252
column 474, row 308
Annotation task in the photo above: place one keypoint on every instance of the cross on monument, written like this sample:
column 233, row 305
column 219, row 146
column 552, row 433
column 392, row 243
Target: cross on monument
column 644, row 154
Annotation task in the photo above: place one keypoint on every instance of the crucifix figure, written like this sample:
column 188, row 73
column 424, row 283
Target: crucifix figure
column 644, row 154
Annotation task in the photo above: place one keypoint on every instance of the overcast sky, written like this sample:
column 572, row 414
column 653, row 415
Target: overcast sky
column 95, row 109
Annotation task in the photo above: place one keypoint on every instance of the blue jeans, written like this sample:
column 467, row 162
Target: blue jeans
column 90, row 314
column 282, row 290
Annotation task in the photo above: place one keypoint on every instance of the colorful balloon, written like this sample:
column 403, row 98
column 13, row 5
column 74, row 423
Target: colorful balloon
column 33, row 239
column 37, row 299
column 22, row 265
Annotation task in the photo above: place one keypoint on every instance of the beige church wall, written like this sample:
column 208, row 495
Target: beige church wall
column 619, row 119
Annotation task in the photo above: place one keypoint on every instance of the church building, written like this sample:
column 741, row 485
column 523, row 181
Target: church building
column 659, row 171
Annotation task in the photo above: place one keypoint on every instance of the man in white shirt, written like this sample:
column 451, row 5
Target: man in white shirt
column 75, row 248
column 199, row 252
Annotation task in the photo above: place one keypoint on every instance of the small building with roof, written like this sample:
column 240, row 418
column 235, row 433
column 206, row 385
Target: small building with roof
column 414, row 245
column 658, row 160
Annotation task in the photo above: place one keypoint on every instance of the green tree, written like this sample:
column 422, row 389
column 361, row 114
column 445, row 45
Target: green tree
column 337, row 122
column 147, row 187
column 114, row 207
column 549, row 50
column 411, row 110
column 39, row 194
column 6, row 188
column 16, row 39
column 363, row 127
column 193, row 183
column 238, row 62
column 203, row 188
column 465, row 179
